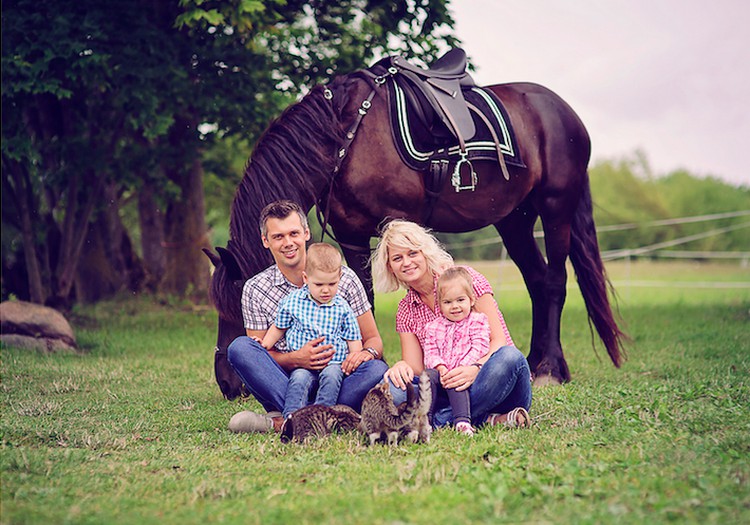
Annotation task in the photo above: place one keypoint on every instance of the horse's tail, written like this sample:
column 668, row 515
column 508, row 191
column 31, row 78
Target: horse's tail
column 592, row 278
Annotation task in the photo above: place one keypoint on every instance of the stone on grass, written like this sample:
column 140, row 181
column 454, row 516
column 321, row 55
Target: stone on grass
column 35, row 327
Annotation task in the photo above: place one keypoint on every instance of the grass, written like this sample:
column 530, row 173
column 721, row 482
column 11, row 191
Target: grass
column 134, row 431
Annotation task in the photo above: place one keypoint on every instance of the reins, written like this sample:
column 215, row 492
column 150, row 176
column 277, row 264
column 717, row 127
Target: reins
column 340, row 156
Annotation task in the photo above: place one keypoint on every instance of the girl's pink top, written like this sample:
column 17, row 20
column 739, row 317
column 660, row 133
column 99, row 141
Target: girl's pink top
column 456, row 344
column 413, row 315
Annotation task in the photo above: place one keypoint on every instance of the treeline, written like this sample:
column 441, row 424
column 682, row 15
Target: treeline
column 630, row 202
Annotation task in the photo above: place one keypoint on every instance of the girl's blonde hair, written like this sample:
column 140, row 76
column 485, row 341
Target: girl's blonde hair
column 405, row 235
column 456, row 273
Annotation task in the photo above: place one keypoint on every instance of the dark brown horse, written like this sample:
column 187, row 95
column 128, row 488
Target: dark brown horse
column 295, row 159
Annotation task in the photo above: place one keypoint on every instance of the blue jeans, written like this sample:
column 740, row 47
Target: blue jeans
column 268, row 382
column 503, row 383
column 303, row 382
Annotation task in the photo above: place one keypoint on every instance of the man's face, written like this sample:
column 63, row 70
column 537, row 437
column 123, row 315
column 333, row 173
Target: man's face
column 286, row 239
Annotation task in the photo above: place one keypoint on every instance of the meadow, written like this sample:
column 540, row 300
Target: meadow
column 134, row 429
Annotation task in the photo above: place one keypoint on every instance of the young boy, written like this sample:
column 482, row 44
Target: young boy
column 313, row 311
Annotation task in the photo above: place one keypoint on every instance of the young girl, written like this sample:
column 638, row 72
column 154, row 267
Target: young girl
column 460, row 337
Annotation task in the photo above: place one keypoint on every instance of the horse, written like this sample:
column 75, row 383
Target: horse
column 301, row 156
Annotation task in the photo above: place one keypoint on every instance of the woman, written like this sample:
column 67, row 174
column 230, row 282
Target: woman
column 499, row 383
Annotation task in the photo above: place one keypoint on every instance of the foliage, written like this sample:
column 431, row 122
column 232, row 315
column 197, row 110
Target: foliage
column 135, row 430
column 627, row 193
column 126, row 95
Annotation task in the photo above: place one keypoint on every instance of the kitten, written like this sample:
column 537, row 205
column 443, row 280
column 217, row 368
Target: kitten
column 382, row 420
column 314, row 421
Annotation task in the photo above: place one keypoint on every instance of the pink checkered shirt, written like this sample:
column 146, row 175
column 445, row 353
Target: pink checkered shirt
column 413, row 315
column 456, row 344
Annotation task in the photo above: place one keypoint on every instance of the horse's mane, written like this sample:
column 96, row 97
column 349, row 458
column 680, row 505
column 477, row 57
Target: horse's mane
column 291, row 160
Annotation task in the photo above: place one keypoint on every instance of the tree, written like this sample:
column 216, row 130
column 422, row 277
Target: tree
column 105, row 102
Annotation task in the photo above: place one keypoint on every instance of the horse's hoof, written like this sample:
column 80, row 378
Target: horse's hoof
column 547, row 380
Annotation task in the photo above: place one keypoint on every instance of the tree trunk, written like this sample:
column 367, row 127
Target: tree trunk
column 187, row 268
column 151, row 220
column 23, row 197
column 107, row 264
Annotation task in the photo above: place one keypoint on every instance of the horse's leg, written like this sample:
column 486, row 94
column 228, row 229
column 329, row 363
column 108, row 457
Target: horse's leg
column 557, row 216
column 357, row 254
column 517, row 231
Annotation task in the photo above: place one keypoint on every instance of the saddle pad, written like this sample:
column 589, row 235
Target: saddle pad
column 413, row 144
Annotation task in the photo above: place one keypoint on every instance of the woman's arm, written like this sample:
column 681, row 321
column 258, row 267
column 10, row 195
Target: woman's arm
column 402, row 373
column 486, row 304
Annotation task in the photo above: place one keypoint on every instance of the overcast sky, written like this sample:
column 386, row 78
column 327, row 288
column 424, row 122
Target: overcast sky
column 669, row 77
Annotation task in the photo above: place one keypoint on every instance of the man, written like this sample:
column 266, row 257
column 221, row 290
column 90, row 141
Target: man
column 284, row 231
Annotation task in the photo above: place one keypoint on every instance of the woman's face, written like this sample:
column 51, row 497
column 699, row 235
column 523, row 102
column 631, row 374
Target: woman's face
column 408, row 265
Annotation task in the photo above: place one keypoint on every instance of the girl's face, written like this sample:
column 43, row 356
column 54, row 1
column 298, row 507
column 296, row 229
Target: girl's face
column 408, row 265
column 455, row 302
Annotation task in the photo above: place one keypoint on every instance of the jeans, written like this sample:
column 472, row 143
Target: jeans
column 268, row 382
column 503, row 383
column 303, row 382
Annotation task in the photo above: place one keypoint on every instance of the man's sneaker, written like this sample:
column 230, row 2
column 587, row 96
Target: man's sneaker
column 247, row 421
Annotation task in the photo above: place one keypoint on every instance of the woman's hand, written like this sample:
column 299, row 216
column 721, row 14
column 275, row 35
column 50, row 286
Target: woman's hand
column 460, row 378
column 354, row 359
column 400, row 374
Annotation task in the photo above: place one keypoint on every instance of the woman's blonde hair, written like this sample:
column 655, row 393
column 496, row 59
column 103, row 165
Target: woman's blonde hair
column 405, row 235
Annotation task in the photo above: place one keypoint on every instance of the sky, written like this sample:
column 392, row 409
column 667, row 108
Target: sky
column 670, row 78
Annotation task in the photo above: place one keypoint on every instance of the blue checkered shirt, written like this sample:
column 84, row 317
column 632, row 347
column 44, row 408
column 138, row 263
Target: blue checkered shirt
column 263, row 292
column 304, row 319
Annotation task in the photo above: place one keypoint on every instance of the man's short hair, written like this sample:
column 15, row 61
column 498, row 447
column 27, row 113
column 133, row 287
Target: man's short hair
column 322, row 257
column 280, row 210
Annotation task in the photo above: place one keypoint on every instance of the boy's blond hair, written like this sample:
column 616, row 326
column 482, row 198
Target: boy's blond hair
column 322, row 257
column 456, row 273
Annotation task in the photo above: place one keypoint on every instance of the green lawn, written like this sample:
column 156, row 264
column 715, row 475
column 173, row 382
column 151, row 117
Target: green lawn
column 134, row 431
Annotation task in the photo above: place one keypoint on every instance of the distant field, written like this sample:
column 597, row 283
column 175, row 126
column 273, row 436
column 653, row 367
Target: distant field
column 134, row 431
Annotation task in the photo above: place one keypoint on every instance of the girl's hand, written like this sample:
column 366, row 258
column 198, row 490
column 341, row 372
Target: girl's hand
column 460, row 378
column 400, row 374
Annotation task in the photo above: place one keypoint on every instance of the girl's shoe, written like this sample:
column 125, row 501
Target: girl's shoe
column 464, row 427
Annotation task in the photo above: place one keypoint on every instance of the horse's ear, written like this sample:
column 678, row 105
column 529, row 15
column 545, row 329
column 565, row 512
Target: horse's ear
column 230, row 263
column 215, row 259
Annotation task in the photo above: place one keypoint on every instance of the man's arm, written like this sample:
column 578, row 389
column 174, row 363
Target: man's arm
column 370, row 334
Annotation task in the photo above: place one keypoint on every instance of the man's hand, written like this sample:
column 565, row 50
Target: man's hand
column 354, row 359
column 313, row 355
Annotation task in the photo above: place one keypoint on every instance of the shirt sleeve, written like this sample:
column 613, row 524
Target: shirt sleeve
column 349, row 326
column 404, row 317
column 351, row 289
column 284, row 315
column 480, row 335
column 430, row 350
column 254, row 312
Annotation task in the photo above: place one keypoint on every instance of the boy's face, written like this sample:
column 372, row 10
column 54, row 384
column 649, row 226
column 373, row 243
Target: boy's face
column 323, row 285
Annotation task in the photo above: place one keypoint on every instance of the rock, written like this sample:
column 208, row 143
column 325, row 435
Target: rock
column 33, row 326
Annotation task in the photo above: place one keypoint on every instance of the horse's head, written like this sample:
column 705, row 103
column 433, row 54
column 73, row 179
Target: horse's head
column 226, row 291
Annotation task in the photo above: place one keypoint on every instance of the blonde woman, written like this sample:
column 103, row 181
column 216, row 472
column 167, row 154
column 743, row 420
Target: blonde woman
column 409, row 256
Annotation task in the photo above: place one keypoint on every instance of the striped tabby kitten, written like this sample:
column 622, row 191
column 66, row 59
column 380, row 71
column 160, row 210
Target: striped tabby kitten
column 385, row 422
column 314, row 421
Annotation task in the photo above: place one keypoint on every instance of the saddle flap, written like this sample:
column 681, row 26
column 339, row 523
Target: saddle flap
column 440, row 87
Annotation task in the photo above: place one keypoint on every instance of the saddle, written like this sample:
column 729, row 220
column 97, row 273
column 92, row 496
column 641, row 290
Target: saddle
column 436, row 94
